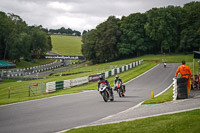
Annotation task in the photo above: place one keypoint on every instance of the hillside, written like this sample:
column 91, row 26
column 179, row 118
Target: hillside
column 66, row 45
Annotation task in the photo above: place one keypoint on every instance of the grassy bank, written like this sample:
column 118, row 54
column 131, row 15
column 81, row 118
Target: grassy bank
column 66, row 45
column 91, row 86
column 186, row 122
column 149, row 62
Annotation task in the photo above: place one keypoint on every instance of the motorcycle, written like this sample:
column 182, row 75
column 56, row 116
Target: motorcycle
column 106, row 93
column 119, row 88
column 165, row 64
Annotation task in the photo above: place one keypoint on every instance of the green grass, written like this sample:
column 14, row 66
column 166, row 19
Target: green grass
column 66, row 45
column 126, row 76
column 36, row 62
column 149, row 62
column 185, row 122
column 165, row 97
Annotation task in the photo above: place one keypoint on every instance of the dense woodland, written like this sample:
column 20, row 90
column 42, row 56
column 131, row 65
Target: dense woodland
column 20, row 41
column 170, row 29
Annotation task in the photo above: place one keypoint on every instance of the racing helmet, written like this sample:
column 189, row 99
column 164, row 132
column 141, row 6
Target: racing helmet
column 101, row 77
column 116, row 76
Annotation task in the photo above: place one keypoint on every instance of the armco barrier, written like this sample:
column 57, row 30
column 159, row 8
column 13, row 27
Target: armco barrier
column 50, row 87
column 95, row 77
column 79, row 81
column 59, row 85
column 66, row 84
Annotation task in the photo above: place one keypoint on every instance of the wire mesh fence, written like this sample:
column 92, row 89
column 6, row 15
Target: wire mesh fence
column 34, row 89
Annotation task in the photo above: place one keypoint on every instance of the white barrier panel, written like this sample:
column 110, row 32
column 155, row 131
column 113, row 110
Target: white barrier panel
column 106, row 74
column 130, row 65
column 127, row 67
column 122, row 68
column 50, row 87
column 133, row 64
column 79, row 81
column 66, row 84
column 175, row 89
column 118, row 71
column 112, row 72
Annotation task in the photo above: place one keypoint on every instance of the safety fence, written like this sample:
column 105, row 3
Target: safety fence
column 30, row 70
column 58, row 85
column 34, row 89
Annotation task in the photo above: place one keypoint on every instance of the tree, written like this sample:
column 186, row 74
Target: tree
column 108, row 34
column 20, row 47
column 190, row 38
column 5, row 30
column 39, row 42
column 133, row 39
column 88, row 46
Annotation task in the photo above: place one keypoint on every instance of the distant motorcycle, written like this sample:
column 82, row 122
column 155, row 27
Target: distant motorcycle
column 165, row 64
column 106, row 93
column 119, row 88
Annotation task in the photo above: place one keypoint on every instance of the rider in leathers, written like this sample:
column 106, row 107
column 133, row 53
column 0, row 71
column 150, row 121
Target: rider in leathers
column 118, row 79
column 104, row 81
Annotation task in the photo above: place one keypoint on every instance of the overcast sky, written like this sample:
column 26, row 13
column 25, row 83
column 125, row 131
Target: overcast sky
column 78, row 14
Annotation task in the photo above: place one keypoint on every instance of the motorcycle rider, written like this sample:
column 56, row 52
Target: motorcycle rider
column 104, row 81
column 118, row 79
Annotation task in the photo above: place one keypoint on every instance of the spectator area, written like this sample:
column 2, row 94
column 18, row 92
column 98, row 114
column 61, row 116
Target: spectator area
column 6, row 65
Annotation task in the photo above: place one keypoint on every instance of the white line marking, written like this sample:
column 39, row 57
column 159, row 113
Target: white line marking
column 131, row 119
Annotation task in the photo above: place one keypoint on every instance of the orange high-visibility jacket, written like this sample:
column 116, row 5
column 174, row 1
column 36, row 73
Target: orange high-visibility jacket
column 185, row 72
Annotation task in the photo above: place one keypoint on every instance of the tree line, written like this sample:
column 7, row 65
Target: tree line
column 67, row 31
column 20, row 41
column 170, row 29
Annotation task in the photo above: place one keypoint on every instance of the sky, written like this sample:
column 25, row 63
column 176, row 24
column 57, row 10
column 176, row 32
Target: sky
column 79, row 14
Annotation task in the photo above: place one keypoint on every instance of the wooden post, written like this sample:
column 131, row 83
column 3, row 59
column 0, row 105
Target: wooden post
column 29, row 91
column 8, row 92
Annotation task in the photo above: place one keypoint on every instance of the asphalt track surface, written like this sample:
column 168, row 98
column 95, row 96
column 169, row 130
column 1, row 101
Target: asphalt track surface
column 67, row 111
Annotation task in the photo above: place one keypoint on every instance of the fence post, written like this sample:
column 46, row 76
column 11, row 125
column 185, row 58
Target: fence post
column 29, row 91
column 42, row 87
column 8, row 92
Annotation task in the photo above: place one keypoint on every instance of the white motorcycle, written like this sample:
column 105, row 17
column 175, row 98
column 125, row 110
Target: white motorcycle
column 106, row 93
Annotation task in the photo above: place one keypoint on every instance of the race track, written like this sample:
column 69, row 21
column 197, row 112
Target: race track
column 68, row 111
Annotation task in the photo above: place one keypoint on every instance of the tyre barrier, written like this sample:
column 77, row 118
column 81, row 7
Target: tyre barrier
column 180, row 88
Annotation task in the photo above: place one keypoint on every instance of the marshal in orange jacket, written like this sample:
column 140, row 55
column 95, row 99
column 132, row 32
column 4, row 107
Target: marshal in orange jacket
column 185, row 72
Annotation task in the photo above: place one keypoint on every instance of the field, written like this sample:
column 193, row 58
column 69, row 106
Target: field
column 66, row 45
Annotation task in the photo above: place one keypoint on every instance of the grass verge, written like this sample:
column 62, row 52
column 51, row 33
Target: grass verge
column 165, row 97
column 185, row 122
